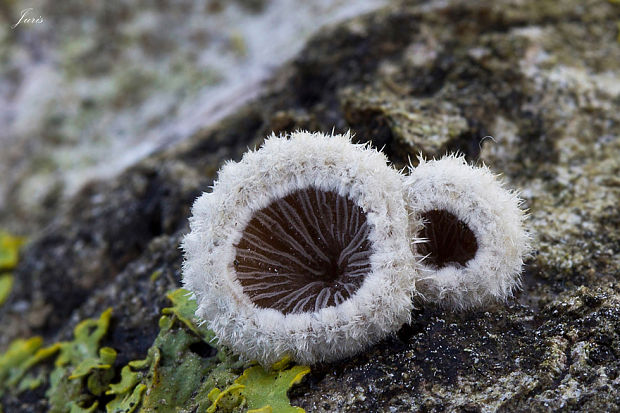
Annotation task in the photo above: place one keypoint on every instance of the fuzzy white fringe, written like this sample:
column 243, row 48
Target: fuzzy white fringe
column 476, row 197
column 281, row 166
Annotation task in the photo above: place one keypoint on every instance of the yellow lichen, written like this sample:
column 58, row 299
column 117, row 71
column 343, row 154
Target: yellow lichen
column 6, row 284
column 82, row 370
column 171, row 376
column 262, row 390
column 174, row 373
column 14, row 362
column 9, row 254
column 9, row 250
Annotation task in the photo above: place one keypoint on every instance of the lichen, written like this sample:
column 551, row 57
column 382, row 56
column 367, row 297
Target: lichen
column 183, row 309
column 261, row 390
column 155, row 275
column 82, row 370
column 168, row 377
column 180, row 371
column 9, row 250
column 14, row 361
column 6, row 284
column 9, row 254
column 176, row 375
column 418, row 125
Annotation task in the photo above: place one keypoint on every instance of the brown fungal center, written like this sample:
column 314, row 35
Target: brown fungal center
column 449, row 240
column 304, row 252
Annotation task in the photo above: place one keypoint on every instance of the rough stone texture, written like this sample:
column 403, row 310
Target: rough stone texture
column 541, row 78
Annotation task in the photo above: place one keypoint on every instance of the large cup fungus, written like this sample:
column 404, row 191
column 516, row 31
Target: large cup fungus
column 302, row 249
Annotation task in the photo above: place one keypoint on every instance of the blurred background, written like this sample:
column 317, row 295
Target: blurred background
column 88, row 88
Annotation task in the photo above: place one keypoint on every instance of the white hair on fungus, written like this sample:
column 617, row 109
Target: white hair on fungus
column 473, row 234
column 302, row 249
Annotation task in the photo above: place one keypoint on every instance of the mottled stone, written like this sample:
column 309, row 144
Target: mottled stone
column 427, row 126
column 541, row 78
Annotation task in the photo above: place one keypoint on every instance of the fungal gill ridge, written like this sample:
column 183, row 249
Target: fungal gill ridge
column 449, row 240
column 304, row 252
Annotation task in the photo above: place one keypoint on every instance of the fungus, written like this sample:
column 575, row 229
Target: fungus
column 301, row 250
column 473, row 240
column 306, row 251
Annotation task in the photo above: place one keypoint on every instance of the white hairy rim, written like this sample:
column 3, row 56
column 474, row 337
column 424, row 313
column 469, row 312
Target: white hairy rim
column 281, row 166
column 477, row 198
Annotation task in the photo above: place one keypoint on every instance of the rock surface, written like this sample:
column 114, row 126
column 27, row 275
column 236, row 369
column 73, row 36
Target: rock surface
column 91, row 89
column 541, row 78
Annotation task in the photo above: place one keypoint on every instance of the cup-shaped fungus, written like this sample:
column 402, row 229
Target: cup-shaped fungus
column 302, row 249
column 473, row 239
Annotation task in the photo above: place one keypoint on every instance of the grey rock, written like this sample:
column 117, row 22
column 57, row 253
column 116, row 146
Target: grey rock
column 541, row 78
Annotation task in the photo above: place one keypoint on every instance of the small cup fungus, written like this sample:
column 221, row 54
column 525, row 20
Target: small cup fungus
column 302, row 249
column 474, row 241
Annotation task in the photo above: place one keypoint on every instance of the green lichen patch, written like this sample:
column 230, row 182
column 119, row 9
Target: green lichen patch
column 182, row 372
column 6, row 284
column 184, row 308
column 268, row 389
column 176, row 374
column 9, row 250
column 260, row 390
column 82, row 371
column 14, row 361
column 128, row 402
column 9, row 254
column 155, row 275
